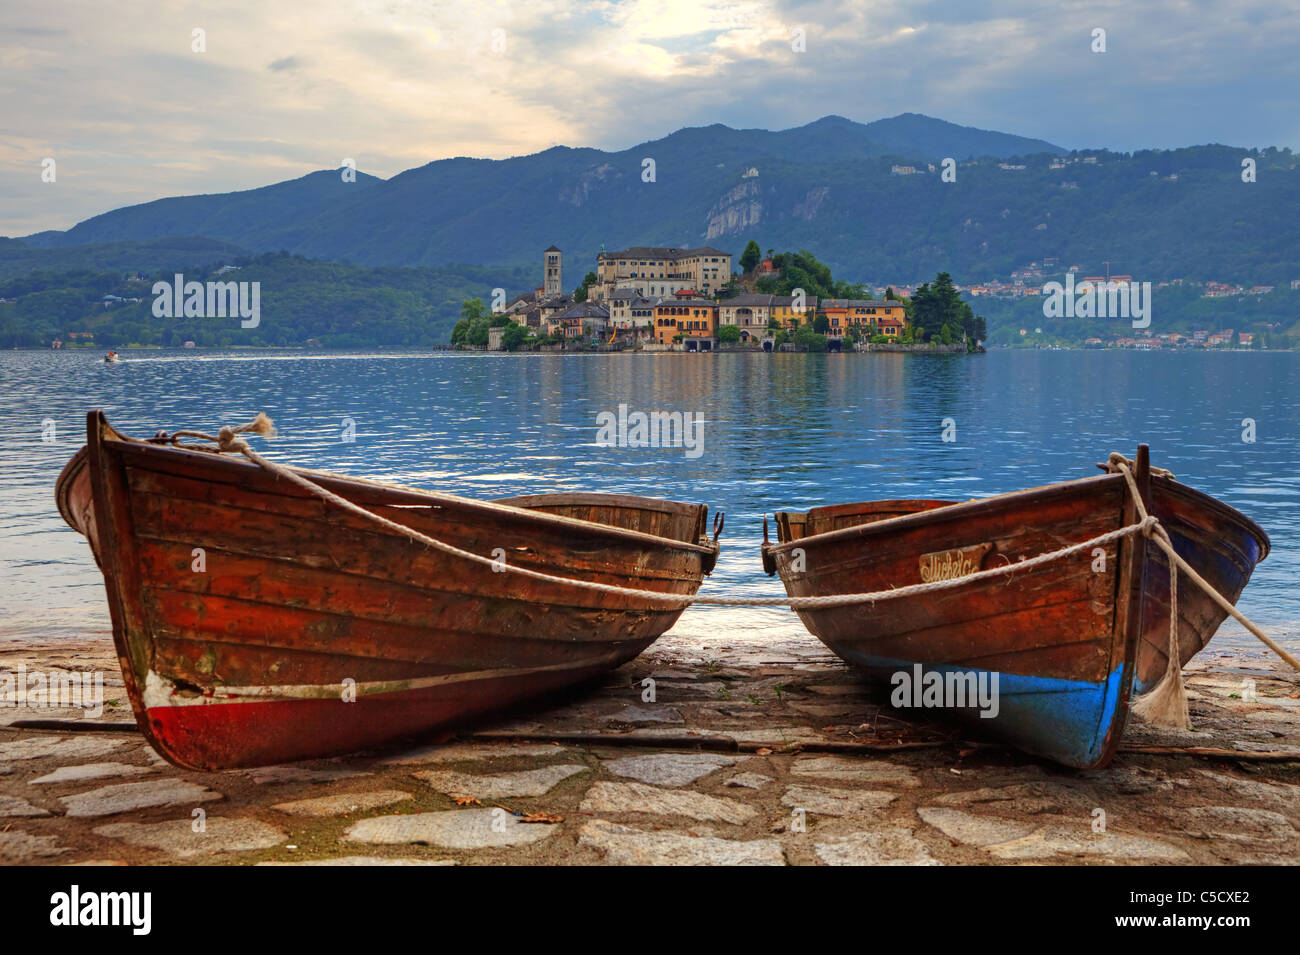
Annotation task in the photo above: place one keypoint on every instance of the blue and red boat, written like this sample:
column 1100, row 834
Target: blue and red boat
column 1046, row 658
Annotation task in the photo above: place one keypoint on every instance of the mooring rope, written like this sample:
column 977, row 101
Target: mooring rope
column 1176, row 564
column 227, row 440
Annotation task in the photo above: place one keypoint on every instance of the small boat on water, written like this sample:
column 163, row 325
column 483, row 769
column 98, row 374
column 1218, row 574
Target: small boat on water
column 1065, row 645
column 257, row 623
column 111, row 358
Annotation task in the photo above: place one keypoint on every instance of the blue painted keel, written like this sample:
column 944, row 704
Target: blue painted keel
column 1068, row 721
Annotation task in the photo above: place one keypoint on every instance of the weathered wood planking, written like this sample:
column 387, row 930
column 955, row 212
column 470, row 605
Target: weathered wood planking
column 311, row 631
column 1069, row 640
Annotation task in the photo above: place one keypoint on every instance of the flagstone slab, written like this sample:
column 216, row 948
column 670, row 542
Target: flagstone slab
column 15, row 806
column 1236, row 823
column 626, row 845
column 453, row 829
column 1046, row 838
column 127, row 797
column 19, row 846
column 645, row 714
column 471, row 753
column 363, row 861
column 748, row 781
column 270, row 775
column 177, row 836
column 637, row 797
column 340, row 803
column 874, row 847
column 849, row 770
column 63, row 748
column 76, row 774
column 669, row 769
column 822, row 801
column 527, row 782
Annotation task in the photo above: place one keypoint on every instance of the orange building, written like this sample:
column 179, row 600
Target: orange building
column 694, row 319
column 870, row 316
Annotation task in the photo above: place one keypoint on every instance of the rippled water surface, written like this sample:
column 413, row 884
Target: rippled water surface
column 783, row 431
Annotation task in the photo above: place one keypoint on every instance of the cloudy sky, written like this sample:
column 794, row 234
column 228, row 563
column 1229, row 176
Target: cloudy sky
column 116, row 93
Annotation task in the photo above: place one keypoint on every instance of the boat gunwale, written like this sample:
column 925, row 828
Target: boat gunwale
column 434, row 498
column 1188, row 493
column 1211, row 503
column 931, row 515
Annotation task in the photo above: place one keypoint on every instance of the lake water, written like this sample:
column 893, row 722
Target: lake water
column 780, row 431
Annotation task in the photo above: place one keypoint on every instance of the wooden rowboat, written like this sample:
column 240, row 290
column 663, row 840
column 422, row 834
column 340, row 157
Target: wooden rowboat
column 256, row 623
column 1067, row 642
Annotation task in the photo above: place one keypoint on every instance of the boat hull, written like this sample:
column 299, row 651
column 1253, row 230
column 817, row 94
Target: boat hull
column 256, row 623
column 1042, row 638
column 1047, row 654
column 1222, row 545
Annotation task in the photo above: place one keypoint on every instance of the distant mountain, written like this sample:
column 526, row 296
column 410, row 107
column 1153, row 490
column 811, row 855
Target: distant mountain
column 422, row 216
column 830, row 186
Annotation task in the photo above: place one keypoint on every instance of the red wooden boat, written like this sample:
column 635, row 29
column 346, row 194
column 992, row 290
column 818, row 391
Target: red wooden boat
column 1068, row 643
column 256, row 623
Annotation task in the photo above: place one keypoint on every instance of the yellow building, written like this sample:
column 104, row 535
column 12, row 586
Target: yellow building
column 786, row 313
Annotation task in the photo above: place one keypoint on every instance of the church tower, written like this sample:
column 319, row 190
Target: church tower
column 552, row 284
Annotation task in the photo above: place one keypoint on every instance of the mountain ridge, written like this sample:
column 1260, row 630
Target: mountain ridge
column 867, row 199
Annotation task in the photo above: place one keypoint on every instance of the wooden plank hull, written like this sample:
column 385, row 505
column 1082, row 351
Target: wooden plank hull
column 1222, row 544
column 1054, row 644
column 256, row 623
column 1066, row 644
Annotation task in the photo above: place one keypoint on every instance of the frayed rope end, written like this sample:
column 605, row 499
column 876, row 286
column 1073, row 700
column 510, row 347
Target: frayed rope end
column 262, row 425
column 1166, row 705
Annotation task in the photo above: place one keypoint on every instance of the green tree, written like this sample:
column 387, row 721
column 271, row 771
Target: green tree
column 581, row 292
column 472, row 309
column 750, row 258
column 729, row 333
column 821, row 324
column 513, row 337
column 809, row 339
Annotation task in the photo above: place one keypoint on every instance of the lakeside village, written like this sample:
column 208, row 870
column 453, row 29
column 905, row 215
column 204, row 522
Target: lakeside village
column 655, row 298
column 668, row 299
column 672, row 299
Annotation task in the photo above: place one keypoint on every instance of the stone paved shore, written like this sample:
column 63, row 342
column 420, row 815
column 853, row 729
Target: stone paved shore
column 764, row 764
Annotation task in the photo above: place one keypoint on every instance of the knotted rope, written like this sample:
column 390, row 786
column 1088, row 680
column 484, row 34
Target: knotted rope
column 1167, row 701
column 228, row 441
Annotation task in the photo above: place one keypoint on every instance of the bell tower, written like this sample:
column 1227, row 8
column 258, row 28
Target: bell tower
column 552, row 284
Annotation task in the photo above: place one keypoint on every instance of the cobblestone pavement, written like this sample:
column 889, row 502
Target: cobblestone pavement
column 761, row 764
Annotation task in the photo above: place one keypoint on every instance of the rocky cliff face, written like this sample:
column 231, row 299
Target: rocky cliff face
column 740, row 208
column 580, row 191
column 811, row 203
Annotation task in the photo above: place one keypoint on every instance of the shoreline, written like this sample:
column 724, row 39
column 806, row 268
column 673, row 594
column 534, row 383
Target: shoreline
column 872, row 348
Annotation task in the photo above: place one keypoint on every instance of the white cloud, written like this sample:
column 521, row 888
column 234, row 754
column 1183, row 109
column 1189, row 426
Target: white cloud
column 115, row 94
